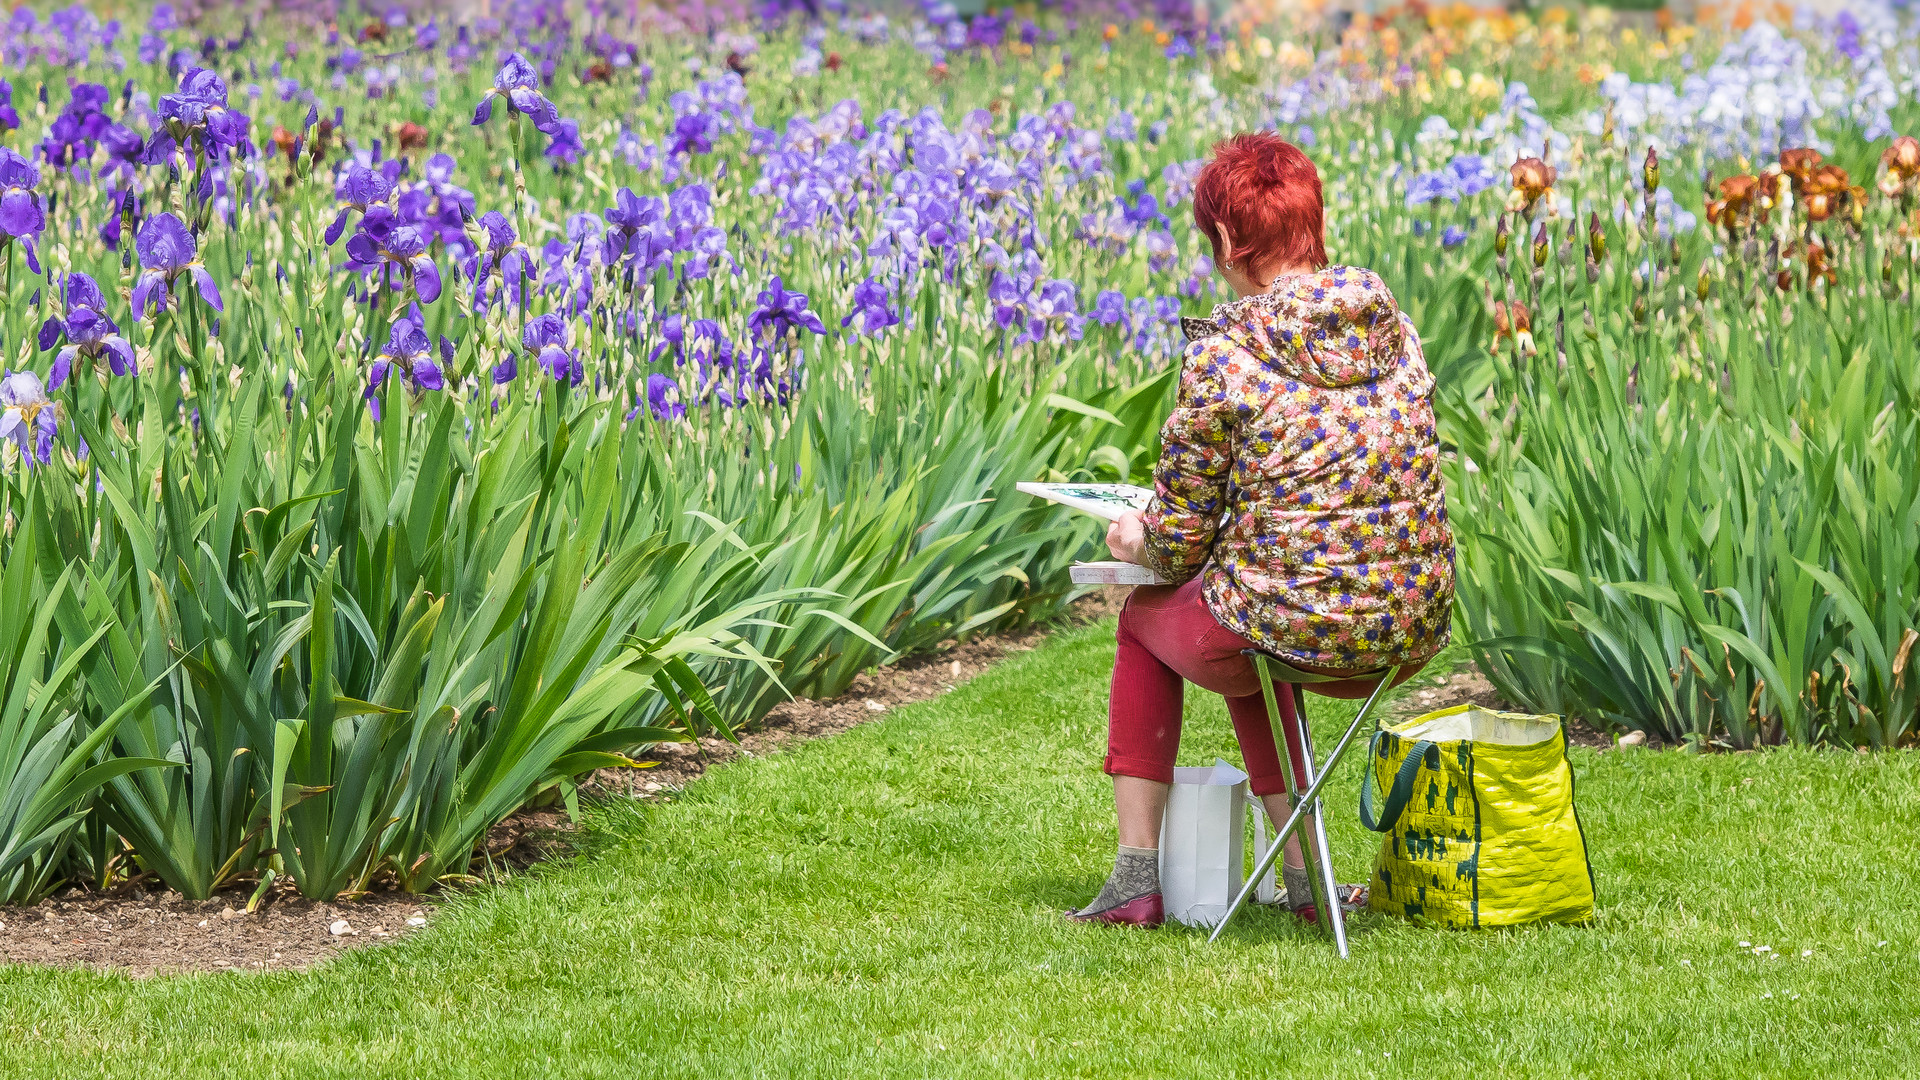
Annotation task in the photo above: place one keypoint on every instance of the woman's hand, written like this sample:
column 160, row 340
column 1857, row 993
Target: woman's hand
column 1127, row 538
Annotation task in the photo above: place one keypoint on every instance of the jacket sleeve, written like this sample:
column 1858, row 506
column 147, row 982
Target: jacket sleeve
column 1196, row 460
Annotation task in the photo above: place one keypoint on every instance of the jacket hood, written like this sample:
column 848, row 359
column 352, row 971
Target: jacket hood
column 1335, row 327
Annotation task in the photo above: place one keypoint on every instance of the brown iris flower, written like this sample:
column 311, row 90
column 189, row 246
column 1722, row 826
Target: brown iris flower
column 1799, row 165
column 1733, row 210
column 1902, row 161
column 1827, row 191
column 1818, row 267
column 1532, row 180
column 286, row 142
column 410, row 136
column 1508, row 322
column 598, row 71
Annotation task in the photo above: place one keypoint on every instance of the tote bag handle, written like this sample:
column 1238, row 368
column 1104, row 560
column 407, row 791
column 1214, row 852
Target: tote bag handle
column 1402, row 791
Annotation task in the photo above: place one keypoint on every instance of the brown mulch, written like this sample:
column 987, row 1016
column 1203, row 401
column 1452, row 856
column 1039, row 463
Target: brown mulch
column 149, row 933
column 164, row 933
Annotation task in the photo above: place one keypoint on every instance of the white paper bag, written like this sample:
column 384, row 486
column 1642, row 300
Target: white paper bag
column 1202, row 843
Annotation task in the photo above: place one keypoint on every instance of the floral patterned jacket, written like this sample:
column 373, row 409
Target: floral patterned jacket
column 1300, row 473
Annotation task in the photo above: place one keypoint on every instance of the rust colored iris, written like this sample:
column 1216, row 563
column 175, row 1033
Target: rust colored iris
column 1733, row 210
column 374, row 31
column 1827, row 191
column 286, row 142
column 834, row 62
column 599, row 71
column 410, row 136
column 1799, row 165
column 1902, row 162
column 1507, row 322
column 1818, row 266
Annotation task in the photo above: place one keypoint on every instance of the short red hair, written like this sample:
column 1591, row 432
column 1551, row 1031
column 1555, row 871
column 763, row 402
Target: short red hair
column 1267, row 193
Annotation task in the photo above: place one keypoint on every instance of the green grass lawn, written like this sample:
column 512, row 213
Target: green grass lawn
column 886, row 903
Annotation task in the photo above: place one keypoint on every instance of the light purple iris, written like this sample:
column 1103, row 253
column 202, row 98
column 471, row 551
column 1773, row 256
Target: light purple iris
column 872, row 307
column 27, row 418
column 21, row 215
column 780, row 311
column 167, row 250
column 90, row 335
column 8, row 118
column 404, row 247
column 519, row 83
column 547, row 336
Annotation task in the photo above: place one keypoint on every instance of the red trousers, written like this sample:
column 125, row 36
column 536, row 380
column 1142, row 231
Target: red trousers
column 1168, row 638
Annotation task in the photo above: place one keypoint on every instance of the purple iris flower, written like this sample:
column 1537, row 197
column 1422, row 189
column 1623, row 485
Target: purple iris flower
column 1432, row 187
column 547, row 337
column 1145, row 209
column 199, row 109
column 663, row 398
column 166, row 251
column 1453, row 236
column 21, row 215
column 872, row 307
column 124, row 150
column 1472, row 175
column 410, row 351
column 1179, row 47
column 519, row 83
column 404, row 247
column 27, row 417
column 503, row 244
column 565, row 145
column 691, row 135
column 89, row 334
column 781, row 311
column 506, row 370
column 8, row 118
column 1110, row 307
column 359, row 189
column 72, row 135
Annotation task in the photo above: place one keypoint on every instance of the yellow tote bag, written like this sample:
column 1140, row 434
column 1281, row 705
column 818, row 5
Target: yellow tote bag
column 1480, row 823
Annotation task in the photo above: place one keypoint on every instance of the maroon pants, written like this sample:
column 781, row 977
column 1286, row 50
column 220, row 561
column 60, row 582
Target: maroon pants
column 1168, row 638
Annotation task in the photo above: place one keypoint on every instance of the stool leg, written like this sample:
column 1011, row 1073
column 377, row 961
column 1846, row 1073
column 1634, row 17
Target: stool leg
column 1320, row 862
column 1294, row 733
column 1313, row 791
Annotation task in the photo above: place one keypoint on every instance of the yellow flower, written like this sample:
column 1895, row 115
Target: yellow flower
column 1263, row 47
column 1455, row 80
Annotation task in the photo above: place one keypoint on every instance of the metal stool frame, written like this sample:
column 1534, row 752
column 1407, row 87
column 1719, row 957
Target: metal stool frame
column 1306, row 805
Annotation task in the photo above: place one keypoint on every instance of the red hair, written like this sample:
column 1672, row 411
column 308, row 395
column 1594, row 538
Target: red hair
column 1267, row 193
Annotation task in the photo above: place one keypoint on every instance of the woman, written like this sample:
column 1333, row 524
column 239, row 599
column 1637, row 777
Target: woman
column 1298, row 506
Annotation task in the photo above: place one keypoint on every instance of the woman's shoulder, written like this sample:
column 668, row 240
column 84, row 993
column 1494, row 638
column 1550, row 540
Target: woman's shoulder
column 1345, row 283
